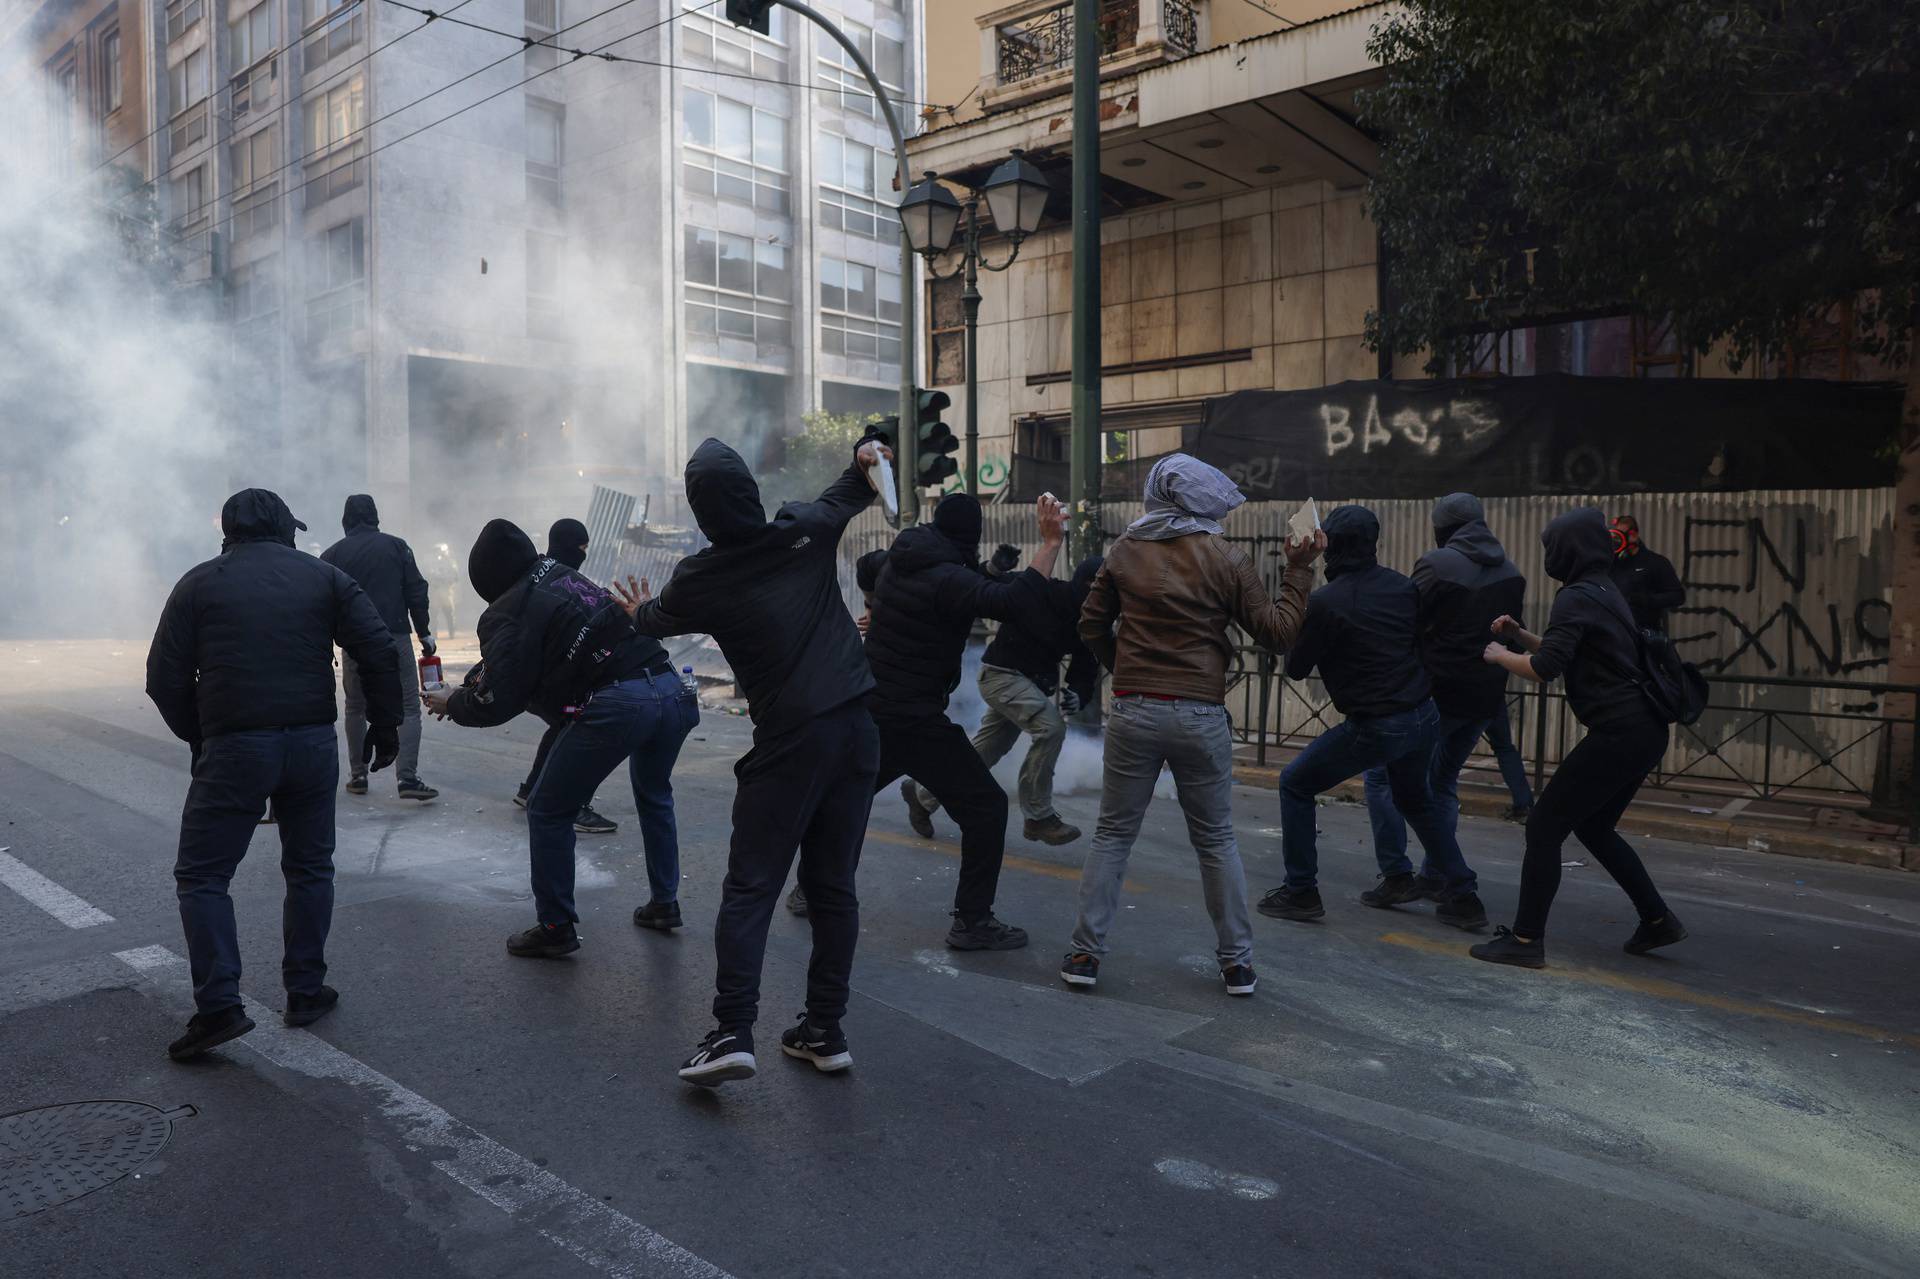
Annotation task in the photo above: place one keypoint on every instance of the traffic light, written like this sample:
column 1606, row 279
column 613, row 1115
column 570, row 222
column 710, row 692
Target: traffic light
column 933, row 440
column 887, row 430
column 751, row 14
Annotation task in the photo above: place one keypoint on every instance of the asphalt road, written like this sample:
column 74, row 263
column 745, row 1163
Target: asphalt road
column 1746, row 1104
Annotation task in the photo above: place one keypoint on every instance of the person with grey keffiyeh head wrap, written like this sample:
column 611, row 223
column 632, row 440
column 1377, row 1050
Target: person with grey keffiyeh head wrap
column 1184, row 495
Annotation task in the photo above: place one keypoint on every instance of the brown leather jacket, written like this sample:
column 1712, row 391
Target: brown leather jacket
column 1173, row 600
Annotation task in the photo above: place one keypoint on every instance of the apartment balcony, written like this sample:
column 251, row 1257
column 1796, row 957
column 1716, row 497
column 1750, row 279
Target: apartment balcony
column 1027, row 48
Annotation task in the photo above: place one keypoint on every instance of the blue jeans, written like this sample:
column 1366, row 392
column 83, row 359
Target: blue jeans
column 1403, row 744
column 234, row 777
column 1455, row 743
column 1513, row 769
column 642, row 720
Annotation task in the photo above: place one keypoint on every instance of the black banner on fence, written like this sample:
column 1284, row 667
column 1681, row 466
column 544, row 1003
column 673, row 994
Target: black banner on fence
column 1554, row 433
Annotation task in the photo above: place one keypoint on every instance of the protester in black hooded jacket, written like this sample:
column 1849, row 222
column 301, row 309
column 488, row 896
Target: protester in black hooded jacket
column 383, row 566
column 768, row 592
column 1593, row 643
column 241, row 669
column 554, row 643
column 1463, row 584
column 1360, row 631
column 1645, row 577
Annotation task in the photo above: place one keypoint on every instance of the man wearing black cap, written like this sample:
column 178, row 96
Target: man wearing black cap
column 241, row 669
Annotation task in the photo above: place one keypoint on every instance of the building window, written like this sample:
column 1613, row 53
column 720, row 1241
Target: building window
column 545, row 152
column 946, row 332
column 739, row 288
column 112, row 74
column 182, row 17
column 190, row 199
column 735, row 152
column 544, row 14
column 64, row 113
column 838, row 70
column 253, row 291
column 187, row 81
column 339, row 30
column 336, row 141
column 543, row 18
column 256, row 196
column 722, row 44
column 337, row 275
column 859, row 311
column 543, row 284
column 250, row 36
column 852, row 176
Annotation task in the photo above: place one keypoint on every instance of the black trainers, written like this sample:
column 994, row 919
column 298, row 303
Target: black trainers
column 826, row 1048
column 544, row 941
column 414, row 788
column 304, row 1010
column 1239, row 978
column 520, row 797
column 722, row 1055
column 662, row 917
column 797, row 901
column 1080, row 969
column 1050, row 830
column 210, row 1030
column 1505, row 948
column 1653, row 934
column 356, row 786
column 1517, row 815
column 1462, row 910
column 588, row 822
column 918, row 817
column 1293, row 903
column 986, row 933
column 1392, row 890
column 1430, row 887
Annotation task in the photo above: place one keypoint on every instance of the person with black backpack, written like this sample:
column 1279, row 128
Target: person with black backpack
column 1592, row 643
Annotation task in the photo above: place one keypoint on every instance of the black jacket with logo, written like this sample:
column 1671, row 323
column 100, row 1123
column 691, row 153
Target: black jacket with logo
column 1651, row 587
column 1463, row 585
column 1360, row 626
column 383, row 566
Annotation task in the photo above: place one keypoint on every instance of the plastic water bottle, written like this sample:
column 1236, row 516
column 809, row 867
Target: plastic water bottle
column 688, row 682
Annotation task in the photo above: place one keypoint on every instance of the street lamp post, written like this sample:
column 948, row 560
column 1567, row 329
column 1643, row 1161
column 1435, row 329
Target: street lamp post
column 1016, row 195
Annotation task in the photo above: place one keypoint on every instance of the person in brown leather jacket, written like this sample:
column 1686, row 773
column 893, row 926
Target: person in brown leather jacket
column 1157, row 617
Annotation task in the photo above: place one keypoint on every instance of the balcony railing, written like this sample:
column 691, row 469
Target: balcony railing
column 1040, row 43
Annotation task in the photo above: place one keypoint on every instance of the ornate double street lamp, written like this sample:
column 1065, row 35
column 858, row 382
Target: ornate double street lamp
column 1016, row 195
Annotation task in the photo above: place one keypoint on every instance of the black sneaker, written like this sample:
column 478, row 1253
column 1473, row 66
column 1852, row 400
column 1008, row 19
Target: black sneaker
column 1517, row 815
column 825, row 1048
column 544, row 941
column 662, row 917
column 1050, row 830
column 1080, row 969
column 1239, row 978
column 414, row 788
column 210, row 1030
column 1430, row 887
column 1392, row 890
column 1293, row 903
column 1462, row 910
column 1505, row 948
column 304, row 1010
column 986, row 933
column 356, row 786
column 918, row 817
column 722, row 1055
column 1653, row 934
column 797, row 901
column 588, row 822
column 520, row 797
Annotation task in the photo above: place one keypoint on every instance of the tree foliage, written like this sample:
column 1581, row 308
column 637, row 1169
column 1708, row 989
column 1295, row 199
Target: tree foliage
column 1740, row 165
column 816, row 457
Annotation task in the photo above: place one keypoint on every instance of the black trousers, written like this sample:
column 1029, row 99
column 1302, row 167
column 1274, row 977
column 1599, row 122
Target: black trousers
column 1585, row 798
column 810, row 789
column 938, row 754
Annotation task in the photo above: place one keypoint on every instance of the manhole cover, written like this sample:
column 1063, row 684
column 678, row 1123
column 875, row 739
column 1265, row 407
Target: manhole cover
column 59, row 1153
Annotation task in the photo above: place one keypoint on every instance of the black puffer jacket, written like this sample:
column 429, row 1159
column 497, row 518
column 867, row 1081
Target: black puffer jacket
column 1360, row 626
column 768, row 591
column 1590, row 637
column 1036, row 645
column 383, row 565
column 549, row 637
column 926, row 593
column 1464, row 584
column 246, row 640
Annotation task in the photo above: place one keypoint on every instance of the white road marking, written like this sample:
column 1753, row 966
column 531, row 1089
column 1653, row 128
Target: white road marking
column 49, row 896
column 1191, row 1174
column 603, row 1238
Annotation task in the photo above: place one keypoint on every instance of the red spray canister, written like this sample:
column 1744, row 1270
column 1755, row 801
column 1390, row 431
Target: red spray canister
column 430, row 671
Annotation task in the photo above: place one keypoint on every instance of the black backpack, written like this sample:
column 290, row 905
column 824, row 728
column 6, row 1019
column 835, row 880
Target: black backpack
column 1673, row 687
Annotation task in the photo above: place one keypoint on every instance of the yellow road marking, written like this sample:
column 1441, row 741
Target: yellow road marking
column 1017, row 862
column 1658, row 988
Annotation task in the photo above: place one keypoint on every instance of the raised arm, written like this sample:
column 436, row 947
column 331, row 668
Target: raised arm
column 1274, row 624
column 849, row 494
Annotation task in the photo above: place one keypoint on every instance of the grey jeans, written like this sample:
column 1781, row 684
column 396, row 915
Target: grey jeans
column 1194, row 740
column 1015, row 705
column 407, row 767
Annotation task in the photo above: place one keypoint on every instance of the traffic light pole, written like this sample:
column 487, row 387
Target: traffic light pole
column 904, row 448
column 1084, row 448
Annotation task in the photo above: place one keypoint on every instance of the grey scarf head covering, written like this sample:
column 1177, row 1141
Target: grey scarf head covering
column 1184, row 495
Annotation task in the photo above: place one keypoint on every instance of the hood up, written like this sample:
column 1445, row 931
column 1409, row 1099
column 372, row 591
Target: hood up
column 1083, row 574
column 257, row 515
column 1184, row 495
column 1353, row 539
column 1578, row 544
column 567, row 542
column 724, row 497
column 501, row 556
column 1460, row 524
column 923, row 545
column 360, row 512
column 958, row 515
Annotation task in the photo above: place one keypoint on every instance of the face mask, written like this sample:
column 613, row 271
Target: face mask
column 1626, row 541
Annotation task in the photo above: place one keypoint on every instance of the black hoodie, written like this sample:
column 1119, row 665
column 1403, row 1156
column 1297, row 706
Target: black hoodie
column 548, row 638
column 383, row 565
column 1590, row 638
column 768, row 591
column 1464, row 585
column 567, row 542
column 1360, row 626
column 246, row 639
column 1035, row 645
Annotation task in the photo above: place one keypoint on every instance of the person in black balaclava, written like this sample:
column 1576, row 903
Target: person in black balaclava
column 241, row 669
column 567, row 543
column 1593, row 643
column 1360, row 632
column 383, row 566
column 554, row 643
column 768, row 592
